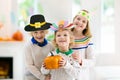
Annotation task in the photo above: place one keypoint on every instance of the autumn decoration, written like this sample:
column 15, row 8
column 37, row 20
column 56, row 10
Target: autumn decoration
column 18, row 36
column 51, row 62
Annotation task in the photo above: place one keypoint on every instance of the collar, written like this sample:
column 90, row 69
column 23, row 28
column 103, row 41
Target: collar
column 38, row 43
column 70, row 51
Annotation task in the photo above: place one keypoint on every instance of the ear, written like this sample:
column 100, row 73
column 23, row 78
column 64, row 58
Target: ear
column 31, row 33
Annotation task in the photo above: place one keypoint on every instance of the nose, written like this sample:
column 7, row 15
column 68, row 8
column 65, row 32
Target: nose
column 39, row 35
column 61, row 37
column 80, row 22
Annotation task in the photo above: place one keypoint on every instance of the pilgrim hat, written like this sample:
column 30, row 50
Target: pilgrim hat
column 37, row 22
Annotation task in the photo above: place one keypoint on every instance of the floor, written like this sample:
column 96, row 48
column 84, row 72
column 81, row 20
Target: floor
column 108, row 72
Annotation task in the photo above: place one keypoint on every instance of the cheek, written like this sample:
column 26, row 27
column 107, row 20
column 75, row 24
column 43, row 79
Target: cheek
column 57, row 40
column 85, row 25
column 41, row 35
column 68, row 39
column 75, row 21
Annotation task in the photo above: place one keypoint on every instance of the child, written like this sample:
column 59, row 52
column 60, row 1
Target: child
column 83, row 45
column 69, row 68
column 37, row 48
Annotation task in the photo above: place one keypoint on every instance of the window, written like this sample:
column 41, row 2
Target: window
column 107, row 27
column 26, row 8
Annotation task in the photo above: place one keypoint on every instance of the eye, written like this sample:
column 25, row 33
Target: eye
column 58, row 35
column 78, row 19
column 65, row 35
column 41, row 31
column 84, row 21
column 35, row 32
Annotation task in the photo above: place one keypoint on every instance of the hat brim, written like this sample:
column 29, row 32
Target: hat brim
column 31, row 28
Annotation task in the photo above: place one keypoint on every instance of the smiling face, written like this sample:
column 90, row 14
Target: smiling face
column 80, row 22
column 62, row 38
column 39, row 35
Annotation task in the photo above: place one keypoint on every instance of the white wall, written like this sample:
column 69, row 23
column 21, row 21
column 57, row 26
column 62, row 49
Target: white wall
column 56, row 10
column 5, row 9
column 117, row 26
column 8, row 11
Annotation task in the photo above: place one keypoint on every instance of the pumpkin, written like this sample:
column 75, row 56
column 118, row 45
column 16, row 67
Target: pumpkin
column 51, row 62
column 1, row 39
column 18, row 36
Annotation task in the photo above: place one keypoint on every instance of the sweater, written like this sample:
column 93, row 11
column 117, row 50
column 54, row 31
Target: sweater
column 85, row 48
column 34, row 56
column 69, row 72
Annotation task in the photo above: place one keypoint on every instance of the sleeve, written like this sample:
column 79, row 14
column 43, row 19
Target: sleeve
column 72, row 69
column 29, row 64
column 47, row 71
column 44, row 71
column 89, row 60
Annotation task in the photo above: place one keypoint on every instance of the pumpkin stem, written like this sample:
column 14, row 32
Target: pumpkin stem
column 51, row 53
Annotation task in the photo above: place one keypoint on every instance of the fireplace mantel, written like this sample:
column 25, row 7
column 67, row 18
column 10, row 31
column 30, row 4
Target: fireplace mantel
column 4, row 44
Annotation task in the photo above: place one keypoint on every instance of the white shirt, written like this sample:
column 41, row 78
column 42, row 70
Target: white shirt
column 69, row 72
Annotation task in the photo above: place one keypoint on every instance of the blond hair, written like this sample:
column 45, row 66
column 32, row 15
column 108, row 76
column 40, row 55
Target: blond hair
column 71, row 37
column 86, row 31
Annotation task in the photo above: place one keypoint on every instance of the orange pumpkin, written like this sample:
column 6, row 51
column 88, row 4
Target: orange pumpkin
column 1, row 39
column 18, row 36
column 51, row 62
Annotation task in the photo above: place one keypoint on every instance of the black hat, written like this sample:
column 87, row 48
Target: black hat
column 37, row 22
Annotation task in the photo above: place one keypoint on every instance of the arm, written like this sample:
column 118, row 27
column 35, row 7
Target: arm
column 44, row 71
column 29, row 64
column 72, row 69
column 89, row 59
column 70, row 66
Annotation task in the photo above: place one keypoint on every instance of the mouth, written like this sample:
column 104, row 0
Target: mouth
column 62, row 41
column 39, row 38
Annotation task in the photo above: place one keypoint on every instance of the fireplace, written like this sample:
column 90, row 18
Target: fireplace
column 6, row 67
column 11, row 61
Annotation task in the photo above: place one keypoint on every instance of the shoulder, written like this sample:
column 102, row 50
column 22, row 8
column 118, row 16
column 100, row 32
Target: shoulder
column 28, row 44
column 90, row 41
column 51, row 45
column 84, row 41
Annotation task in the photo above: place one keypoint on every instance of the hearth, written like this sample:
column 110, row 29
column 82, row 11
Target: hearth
column 6, row 67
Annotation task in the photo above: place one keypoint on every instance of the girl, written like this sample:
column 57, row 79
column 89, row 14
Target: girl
column 37, row 48
column 69, row 68
column 83, row 45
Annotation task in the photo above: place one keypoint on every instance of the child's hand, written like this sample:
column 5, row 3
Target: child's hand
column 48, row 77
column 44, row 65
column 62, row 62
column 77, row 57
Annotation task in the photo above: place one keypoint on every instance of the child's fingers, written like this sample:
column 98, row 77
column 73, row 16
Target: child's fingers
column 44, row 65
column 62, row 62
